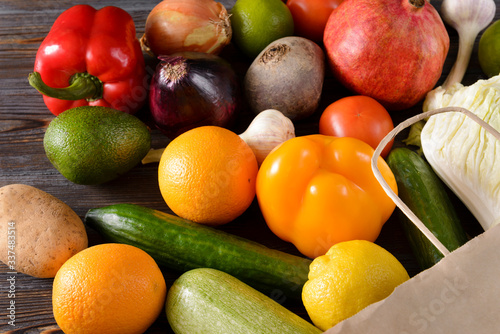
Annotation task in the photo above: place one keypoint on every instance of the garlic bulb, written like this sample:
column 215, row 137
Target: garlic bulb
column 468, row 18
column 267, row 130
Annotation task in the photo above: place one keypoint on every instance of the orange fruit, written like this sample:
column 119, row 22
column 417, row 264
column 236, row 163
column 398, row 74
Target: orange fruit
column 207, row 175
column 108, row 288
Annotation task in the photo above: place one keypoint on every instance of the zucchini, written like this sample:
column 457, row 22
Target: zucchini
column 182, row 245
column 210, row 301
column 426, row 195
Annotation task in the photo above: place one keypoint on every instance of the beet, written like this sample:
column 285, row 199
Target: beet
column 288, row 76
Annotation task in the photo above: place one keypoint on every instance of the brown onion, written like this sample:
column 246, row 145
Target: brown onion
column 187, row 25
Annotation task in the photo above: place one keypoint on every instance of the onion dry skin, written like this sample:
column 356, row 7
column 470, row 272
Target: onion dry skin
column 186, row 25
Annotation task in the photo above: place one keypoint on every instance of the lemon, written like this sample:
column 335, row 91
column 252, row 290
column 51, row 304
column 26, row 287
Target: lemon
column 489, row 49
column 349, row 277
column 257, row 23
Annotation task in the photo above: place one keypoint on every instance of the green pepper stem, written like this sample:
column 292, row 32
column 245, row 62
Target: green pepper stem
column 81, row 86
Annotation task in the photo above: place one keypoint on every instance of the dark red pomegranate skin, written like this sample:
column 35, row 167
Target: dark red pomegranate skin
column 391, row 50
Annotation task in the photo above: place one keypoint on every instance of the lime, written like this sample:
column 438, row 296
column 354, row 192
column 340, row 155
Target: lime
column 489, row 49
column 257, row 23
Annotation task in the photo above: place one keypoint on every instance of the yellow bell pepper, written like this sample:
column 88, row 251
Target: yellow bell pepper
column 315, row 191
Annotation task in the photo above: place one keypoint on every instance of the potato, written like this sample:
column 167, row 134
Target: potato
column 288, row 76
column 38, row 232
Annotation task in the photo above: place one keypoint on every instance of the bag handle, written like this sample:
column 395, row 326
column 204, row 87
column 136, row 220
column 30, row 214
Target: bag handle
column 391, row 135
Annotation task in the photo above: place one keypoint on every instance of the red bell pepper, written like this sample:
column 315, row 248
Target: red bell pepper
column 91, row 57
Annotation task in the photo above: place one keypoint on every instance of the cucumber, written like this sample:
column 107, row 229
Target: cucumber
column 210, row 301
column 426, row 195
column 182, row 245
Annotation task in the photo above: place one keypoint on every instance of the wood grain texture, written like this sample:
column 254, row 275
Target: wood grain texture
column 24, row 118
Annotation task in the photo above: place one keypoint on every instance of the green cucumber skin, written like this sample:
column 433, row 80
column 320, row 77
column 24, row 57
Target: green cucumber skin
column 210, row 301
column 425, row 194
column 182, row 245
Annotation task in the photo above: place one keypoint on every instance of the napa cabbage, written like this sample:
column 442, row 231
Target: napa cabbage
column 464, row 155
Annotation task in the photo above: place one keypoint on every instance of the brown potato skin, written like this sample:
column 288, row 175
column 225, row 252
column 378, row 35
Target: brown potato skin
column 47, row 231
column 288, row 76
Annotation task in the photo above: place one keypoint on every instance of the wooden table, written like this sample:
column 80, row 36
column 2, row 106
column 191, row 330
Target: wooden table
column 24, row 118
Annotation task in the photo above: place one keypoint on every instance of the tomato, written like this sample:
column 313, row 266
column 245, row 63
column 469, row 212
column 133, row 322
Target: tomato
column 310, row 16
column 360, row 117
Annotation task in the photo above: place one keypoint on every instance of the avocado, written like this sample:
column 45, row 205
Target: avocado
column 92, row 145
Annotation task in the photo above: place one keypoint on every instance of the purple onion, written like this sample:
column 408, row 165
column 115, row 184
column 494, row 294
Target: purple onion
column 192, row 89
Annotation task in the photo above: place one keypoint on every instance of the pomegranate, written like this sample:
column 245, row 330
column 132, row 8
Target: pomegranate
column 390, row 50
